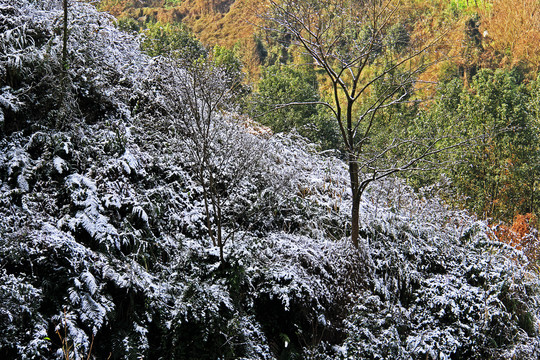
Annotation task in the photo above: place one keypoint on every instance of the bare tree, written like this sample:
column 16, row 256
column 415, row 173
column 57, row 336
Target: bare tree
column 220, row 150
column 371, row 63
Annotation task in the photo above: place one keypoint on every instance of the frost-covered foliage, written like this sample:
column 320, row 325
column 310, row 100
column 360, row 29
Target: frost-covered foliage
column 104, row 241
column 31, row 89
column 441, row 288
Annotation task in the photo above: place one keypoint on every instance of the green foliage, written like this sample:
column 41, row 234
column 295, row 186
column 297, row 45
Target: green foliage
column 496, row 177
column 230, row 63
column 228, row 59
column 172, row 39
column 273, row 49
column 169, row 3
column 282, row 85
column 260, row 51
column 398, row 37
column 128, row 24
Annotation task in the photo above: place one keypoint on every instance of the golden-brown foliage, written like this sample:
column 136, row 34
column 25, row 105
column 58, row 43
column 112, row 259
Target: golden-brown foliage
column 215, row 22
column 522, row 235
column 512, row 29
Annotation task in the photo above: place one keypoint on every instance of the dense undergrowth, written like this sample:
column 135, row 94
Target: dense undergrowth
column 104, row 241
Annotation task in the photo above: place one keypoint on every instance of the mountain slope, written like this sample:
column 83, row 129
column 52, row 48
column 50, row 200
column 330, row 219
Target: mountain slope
column 218, row 22
column 104, row 245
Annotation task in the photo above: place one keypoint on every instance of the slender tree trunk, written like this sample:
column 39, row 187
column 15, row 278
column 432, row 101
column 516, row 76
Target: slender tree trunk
column 220, row 241
column 216, row 203
column 64, row 71
column 354, row 174
column 206, row 206
column 65, row 36
column 355, row 188
column 216, row 206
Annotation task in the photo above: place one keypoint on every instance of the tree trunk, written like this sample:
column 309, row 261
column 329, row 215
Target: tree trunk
column 355, row 222
column 220, row 241
column 355, row 188
column 65, row 36
column 60, row 121
column 206, row 195
column 354, row 174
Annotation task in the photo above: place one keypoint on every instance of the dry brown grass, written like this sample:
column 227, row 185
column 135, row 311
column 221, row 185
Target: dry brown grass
column 512, row 29
column 215, row 22
column 522, row 235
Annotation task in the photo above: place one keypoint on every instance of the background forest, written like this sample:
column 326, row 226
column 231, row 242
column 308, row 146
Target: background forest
column 158, row 201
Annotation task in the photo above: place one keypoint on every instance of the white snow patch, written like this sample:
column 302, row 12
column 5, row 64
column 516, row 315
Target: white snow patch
column 60, row 164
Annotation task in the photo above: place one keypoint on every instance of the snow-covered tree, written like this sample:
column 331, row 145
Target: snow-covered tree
column 220, row 151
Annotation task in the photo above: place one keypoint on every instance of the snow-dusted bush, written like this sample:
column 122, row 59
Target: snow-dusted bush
column 30, row 61
column 441, row 288
column 20, row 310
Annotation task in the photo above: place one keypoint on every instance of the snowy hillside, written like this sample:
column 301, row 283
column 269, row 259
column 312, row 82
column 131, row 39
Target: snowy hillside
column 105, row 247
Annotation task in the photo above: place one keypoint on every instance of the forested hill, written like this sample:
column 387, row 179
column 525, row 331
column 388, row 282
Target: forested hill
column 143, row 216
column 216, row 22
